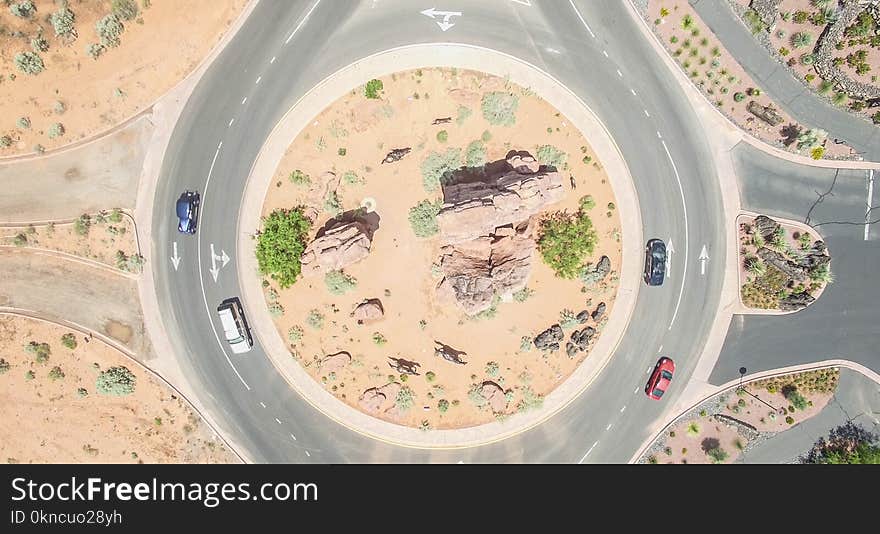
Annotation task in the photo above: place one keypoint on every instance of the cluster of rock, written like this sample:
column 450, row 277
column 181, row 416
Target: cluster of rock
column 341, row 244
column 485, row 226
column 592, row 275
column 825, row 50
column 766, row 113
column 551, row 340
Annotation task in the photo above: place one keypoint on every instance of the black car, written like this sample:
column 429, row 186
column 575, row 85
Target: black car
column 655, row 262
column 187, row 212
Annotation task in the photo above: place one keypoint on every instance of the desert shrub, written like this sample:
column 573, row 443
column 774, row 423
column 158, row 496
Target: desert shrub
column 29, row 62
column 565, row 241
column 115, row 215
column 442, row 136
column 94, row 50
column 351, row 178
column 23, row 122
column 568, row 319
column 423, row 217
column 405, row 399
column 492, row 368
column 82, row 225
column 69, row 340
column 499, row 108
column 810, row 138
column 717, row 454
column 693, row 429
column 789, row 419
column 4, row 366
column 550, row 155
column 372, row 88
column 124, row 9
column 40, row 351
column 63, row 21
column 342, row 151
column 39, row 44
column 82, row 392
column 437, row 168
column 25, row 9
column 523, row 294
column 801, row 39
column 315, row 319
column 486, row 137
column 280, row 245
column 475, row 154
column 442, row 405
column 463, row 113
column 525, row 344
column 379, row 339
column 795, row 398
column 295, row 334
column 530, row 400
column 116, row 381
column 56, row 373
column 754, row 22
column 339, row 283
column 30, row 375
column 20, row 240
column 109, row 30
column 298, row 177
column 56, row 130
column 430, row 376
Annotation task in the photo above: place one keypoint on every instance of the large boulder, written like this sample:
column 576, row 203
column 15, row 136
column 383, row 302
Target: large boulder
column 476, row 208
column 790, row 269
column 476, row 271
column 766, row 227
column 796, row 301
column 368, row 311
column 493, row 395
column 341, row 245
column 371, row 400
column 335, row 362
column 549, row 339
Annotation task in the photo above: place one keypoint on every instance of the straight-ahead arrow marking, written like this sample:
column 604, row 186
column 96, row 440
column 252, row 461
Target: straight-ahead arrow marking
column 670, row 250
column 175, row 259
column 704, row 257
column 214, row 270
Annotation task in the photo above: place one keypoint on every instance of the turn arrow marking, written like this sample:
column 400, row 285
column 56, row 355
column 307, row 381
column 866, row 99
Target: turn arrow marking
column 445, row 24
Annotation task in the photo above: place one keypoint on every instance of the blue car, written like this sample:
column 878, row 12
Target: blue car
column 655, row 262
column 187, row 212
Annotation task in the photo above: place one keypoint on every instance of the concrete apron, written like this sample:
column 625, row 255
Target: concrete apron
column 426, row 56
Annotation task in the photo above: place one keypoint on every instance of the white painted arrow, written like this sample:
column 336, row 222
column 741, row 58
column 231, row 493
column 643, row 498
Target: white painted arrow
column 175, row 259
column 445, row 24
column 224, row 257
column 704, row 257
column 670, row 250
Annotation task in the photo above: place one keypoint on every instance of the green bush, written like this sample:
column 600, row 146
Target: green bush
column 56, row 373
column 486, row 137
column 463, row 113
column 30, row 375
column 523, row 294
column 693, row 429
column 116, row 381
column 430, row 376
column 82, row 392
column 280, row 245
column 492, row 368
column 565, row 241
column 39, row 44
column 295, row 334
column 125, row 9
column 550, row 155
column 109, row 30
column 717, row 454
column 379, row 339
column 339, row 283
column 23, row 122
column 371, row 90
column 568, row 319
column 442, row 405
column 405, row 399
column 475, row 154
column 530, row 400
column 789, row 419
column 69, row 340
column 29, row 63
column 423, row 218
column 56, row 130
column 63, row 21
column 115, row 215
column 40, row 351
column 437, row 168
column 499, row 108
column 25, row 9
column 20, row 240
column 795, row 398
column 315, row 319
column 332, row 204
column 442, row 136
column 298, row 177
column 82, row 225
column 94, row 50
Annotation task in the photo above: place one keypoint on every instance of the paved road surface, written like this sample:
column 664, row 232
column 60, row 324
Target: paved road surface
column 549, row 35
column 843, row 322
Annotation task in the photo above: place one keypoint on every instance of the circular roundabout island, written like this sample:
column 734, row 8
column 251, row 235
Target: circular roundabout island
column 439, row 249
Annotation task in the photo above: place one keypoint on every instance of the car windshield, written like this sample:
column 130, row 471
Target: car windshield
column 658, row 392
column 666, row 374
column 239, row 339
column 183, row 209
column 659, row 255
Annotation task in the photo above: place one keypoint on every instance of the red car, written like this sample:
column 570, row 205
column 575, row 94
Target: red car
column 660, row 378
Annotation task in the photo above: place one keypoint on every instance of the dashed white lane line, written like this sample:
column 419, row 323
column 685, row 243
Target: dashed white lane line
column 624, row 407
column 278, row 420
column 587, row 26
column 684, row 209
column 868, row 204
column 609, row 426
column 636, row 390
column 605, row 53
column 620, row 74
column 658, row 135
column 258, row 80
column 633, row 91
column 294, row 437
column 263, row 404
column 588, row 452
column 272, row 60
column 243, row 100
column 303, row 21
column 230, row 122
column 307, row 453
column 646, row 113
column 660, row 349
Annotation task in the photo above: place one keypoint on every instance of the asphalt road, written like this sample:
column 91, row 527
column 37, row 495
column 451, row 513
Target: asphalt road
column 842, row 323
column 630, row 91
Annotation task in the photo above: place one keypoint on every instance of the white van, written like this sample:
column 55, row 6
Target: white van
column 234, row 326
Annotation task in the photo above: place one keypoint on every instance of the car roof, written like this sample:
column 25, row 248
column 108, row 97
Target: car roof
column 183, row 205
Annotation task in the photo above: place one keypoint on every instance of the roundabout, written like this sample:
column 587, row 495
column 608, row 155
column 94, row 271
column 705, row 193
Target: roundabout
column 229, row 128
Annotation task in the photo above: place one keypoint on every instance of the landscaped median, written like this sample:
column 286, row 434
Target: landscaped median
column 783, row 265
column 409, row 316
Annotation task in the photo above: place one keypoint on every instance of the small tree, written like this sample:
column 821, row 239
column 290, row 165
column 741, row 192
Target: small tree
column 565, row 241
column 423, row 218
column 109, row 30
column 281, row 243
column 24, row 9
column 499, row 108
column 29, row 63
column 69, row 340
column 40, row 351
column 371, row 90
column 116, row 381
column 55, row 130
column 125, row 9
column 63, row 21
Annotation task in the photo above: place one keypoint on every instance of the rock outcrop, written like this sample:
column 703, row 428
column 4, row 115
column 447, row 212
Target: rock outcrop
column 475, row 209
column 374, row 400
column 368, row 311
column 790, row 269
column 766, row 227
column 335, row 362
column 796, row 301
column 600, row 311
column 341, row 245
column 550, row 339
column 476, row 271
column 494, row 396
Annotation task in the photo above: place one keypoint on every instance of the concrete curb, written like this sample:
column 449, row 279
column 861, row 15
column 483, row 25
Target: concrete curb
column 437, row 55
column 125, row 352
column 757, row 376
column 37, row 251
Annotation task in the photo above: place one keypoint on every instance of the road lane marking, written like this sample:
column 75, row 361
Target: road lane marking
column 684, row 207
column 660, row 349
column 262, row 404
column 587, row 26
column 646, row 113
column 623, row 409
column 588, row 452
column 704, row 257
column 868, row 205
column 294, row 437
column 272, row 60
column 307, row 454
column 605, row 53
column 658, row 135
column 243, row 100
column 620, row 74
column 636, row 390
column 230, row 122
column 633, row 91
column 278, row 420
column 202, row 278
column 303, row 21
column 258, row 80
column 609, row 426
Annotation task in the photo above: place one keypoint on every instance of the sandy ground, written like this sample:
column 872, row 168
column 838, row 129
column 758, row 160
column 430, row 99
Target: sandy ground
column 99, row 175
column 711, row 67
column 398, row 270
column 46, row 420
column 158, row 48
column 684, row 442
column 61, row 289
column 748, row 248
column 102, row 241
